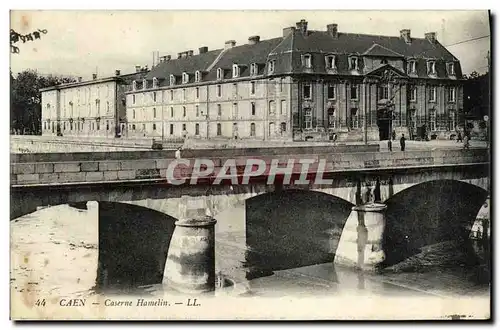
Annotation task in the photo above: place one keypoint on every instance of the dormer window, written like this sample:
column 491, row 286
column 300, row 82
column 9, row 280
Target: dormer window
column 172, row 80
column 155, row 82
column 134, row 85
column 270, row 67
column 451, row 68
column 307, row 61
column 197, row 76
column 383, row 61
column 412, row 66
column 253, row 69
column 236, row 71
column 144, row 84
column 353, row 63
column 330, row 62
column 431, row 67
column 185, row 78
column 220, row 74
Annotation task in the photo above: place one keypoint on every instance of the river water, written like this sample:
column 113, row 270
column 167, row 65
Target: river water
column 54, row 253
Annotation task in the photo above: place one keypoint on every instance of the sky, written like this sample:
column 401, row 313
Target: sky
column 80, row 43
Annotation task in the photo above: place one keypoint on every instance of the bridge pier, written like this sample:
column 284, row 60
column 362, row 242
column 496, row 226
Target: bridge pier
column 190, row 265
column 360, row 245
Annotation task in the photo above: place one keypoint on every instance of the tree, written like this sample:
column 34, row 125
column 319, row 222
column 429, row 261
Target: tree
column 25, row 103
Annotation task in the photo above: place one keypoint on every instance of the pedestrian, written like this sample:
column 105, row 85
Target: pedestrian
column 466, row 141
column 394, row 135
column 389, row 144
column 178, row 153
column 402, row 142
column 334, row 137
column 459, row 137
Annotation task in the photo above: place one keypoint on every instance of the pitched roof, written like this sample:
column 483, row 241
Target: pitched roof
column 377, row 50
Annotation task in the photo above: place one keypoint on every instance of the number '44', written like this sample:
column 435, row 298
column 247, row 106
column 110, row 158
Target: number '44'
column 40, row 302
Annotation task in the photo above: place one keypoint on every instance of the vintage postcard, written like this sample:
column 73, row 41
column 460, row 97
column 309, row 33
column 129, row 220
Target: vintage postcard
column 250, row 165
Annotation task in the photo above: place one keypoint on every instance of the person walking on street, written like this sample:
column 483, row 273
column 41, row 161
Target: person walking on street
column 389, row 144
column 402, row 142
column 178, row 153
column 466, row 141
column 459, row 137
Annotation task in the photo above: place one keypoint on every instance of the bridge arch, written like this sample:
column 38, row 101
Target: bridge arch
column 427, row 213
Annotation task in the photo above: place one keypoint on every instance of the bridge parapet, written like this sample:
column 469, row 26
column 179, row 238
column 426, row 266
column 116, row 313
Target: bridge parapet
column 42, row 172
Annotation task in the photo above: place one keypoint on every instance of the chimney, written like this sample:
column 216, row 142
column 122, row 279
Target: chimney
column 253, row 40
column 179, row 55
column 333, row 30
column 302, row 26
column 431, row 36
column 190, row 53
column 94, row 76
column 287, row 31
column 229, row 44
column 145, row 68
column 184, row 54
column 405, row 34
column 137, row 68
column 168, row 58
column 203, row 50
column 117, row 72
column 80, row 79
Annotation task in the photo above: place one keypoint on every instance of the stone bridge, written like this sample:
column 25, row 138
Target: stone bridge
column 430, row 195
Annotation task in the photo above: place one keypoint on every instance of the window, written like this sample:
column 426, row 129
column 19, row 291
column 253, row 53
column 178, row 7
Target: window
column 171, row 129
column 432, row 94
column 133, row 99
column 155, row 82
column 252, row 108
column 432, row 120
column 171, row 111
column 171, row 95
column 282, row 82
column 353, row 63
column 219, row 130
column 332, row 119
column 154, row 112
column 412, row 66
column 270, row 67
column 307, row 118
column 307, row 61
column 185, row 78
column 133, row 114
column 172, row 80
column 71, row 125
column 197, row 129
column 354, row 118
column 45, row 125
column 431, row 67
column 197, row 92
column 306, row 91
column 235, row 110
column 282, row 128
column 451, row 94
column 354, row 92
column 134, row 85
column 235, row 129
column 272, row 129
column 235, row 90
column 451, row 69
column 183, row 111
column 184, row 94
column 144, row 84
column 413, row 92
column 383, row 92
column 453, row 123
column 253, row 69
column 219, row 90
column 252, row 129
column 219, row 110
column 197, row 110
column 331, row 92
column 154, row 127
column 220, row 74
column 197, row 76
column 252, row 87
column 133, row 127
column 236, row 71
column 184, row 128
column 330, row 62
column 283, row 107
column 154, row 96
column 98, row 126
column 143, row 127
column 107, row 107
column 272, row 108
